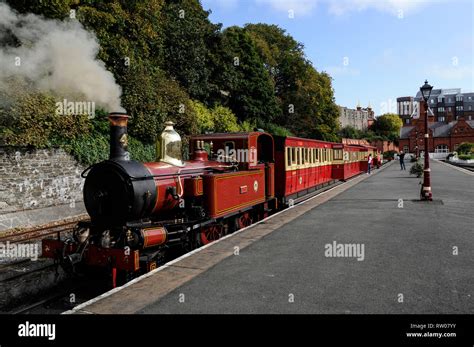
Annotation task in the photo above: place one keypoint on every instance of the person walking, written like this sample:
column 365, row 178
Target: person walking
column 369, row 163
column 402, row 160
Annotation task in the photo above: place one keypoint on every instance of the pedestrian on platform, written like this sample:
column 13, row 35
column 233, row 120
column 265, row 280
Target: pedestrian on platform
column 379, row 160
column 402, row 160
column 369, row 164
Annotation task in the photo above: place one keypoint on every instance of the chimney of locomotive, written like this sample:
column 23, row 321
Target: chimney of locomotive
column 118, row 136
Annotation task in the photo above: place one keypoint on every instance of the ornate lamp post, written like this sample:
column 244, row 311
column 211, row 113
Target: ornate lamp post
column 426, row 188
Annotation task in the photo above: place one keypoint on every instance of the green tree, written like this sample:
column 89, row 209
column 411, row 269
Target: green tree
column 56, row 9
column 245, row 85
column 304, row 95
column 188, row 35
column 388, row 125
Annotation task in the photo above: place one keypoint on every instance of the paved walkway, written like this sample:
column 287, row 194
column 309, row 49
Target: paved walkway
column 408, row 265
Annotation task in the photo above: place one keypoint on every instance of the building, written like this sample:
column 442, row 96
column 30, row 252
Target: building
column 446, row 105
column 450, row 120
column 359, row 118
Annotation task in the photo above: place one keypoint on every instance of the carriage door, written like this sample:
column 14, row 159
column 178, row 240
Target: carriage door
column 265, row 154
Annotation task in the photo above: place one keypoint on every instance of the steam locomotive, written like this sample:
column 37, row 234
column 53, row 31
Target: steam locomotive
column 141, row 211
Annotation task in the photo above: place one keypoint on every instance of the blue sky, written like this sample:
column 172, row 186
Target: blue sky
column 375, row 50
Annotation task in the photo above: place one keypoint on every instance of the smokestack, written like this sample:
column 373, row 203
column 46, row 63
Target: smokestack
column 118, row 136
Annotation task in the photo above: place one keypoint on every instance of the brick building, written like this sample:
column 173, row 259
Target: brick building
column 450, row 120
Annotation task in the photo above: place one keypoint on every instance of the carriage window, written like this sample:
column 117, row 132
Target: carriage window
column 288, row 156
column 306, row 156
column 298, row 156
column 338, row 154
column 293, row 155
column 311, row 153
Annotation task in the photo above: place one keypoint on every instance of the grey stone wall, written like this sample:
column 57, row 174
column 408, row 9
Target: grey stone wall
column 32, row 179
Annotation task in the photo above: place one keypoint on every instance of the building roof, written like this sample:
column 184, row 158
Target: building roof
column 405, row 132
column 440, row 129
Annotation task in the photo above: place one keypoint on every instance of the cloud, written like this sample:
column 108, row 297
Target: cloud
column 341, row 7
column 394, row 7
column 299, row 7
column 335, row 71
column 451, row 72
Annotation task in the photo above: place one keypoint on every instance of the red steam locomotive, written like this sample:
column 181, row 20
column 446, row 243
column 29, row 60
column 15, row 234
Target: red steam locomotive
column 139, row 211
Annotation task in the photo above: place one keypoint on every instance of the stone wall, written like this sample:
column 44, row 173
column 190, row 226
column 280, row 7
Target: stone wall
column 32, row 179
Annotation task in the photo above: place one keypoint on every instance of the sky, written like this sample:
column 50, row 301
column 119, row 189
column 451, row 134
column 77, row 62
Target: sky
column 375, row 50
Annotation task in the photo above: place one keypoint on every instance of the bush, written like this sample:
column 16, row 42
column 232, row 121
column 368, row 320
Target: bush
column 417, row 169
column 466, row 148
column 31, row 120
column 389, row 154
column 94, row 148
column 466, row 156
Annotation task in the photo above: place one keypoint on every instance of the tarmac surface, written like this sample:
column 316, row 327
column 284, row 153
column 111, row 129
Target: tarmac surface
column 418, row 257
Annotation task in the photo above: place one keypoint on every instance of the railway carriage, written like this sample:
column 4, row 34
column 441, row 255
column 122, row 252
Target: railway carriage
column 141, row 211
column 302, row 167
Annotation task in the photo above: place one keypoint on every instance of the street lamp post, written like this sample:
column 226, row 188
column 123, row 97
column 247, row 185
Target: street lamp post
column 426, row 193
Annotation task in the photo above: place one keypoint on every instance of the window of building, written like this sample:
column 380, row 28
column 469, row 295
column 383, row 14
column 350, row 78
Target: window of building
column 449, row 109
column 405, row 149
column 469, row 108
column 441, row 119
column 469, row 118
column 449, row 99
column 442, row 149
column 440, row 109
column 459, row 98
column 407, row 121
column 470, row 98
column 432, row 101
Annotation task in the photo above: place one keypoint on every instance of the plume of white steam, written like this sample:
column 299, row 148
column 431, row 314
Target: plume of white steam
column 55, row 56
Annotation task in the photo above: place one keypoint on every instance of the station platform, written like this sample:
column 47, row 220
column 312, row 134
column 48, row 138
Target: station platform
column 417, row 257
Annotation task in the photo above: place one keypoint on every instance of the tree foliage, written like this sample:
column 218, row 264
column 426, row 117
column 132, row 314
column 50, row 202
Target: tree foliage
column 173, row 63
column 305, row 95
column 388, row 125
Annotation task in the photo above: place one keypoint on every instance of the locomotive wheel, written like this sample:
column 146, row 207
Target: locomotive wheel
column 210, row 233
column 244, row 221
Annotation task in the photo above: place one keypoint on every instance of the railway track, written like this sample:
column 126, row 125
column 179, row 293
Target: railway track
column 38, row 232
